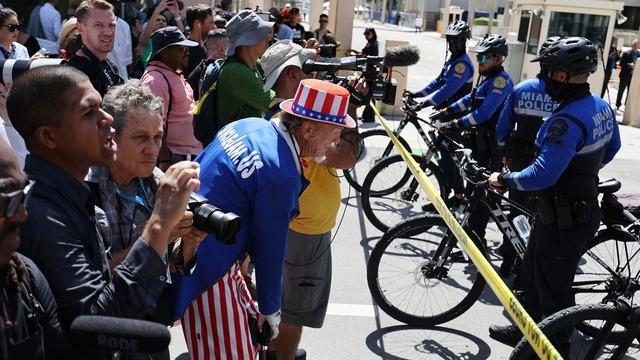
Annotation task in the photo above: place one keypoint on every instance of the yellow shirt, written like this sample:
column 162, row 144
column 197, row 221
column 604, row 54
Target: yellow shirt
column 320, row 202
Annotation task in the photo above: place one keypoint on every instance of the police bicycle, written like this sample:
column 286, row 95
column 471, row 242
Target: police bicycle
column 390, row 193
column 417, row 276
column 376, row 144
column 590, row 331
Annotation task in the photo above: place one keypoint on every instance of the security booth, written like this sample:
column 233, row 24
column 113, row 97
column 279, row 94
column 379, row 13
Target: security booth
column 533, row 21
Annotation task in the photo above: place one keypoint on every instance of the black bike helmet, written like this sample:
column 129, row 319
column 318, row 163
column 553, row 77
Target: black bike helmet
column 574, row 55
column 550, row 41
column 458, row 28
column 492, row 44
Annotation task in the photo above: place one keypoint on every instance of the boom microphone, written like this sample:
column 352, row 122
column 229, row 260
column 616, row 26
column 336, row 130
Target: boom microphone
column 405, row 55
column 119, row 334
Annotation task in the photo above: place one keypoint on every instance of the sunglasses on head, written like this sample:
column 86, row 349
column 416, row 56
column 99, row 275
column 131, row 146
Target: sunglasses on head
column 483, row 59
column 12, row 202
column 12, row 27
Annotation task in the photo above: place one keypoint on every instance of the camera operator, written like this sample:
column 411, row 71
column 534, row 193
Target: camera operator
column 126, row 189
column 254, row 169
column 307, row 269
column 371, row 49
column 97, row 28
column 64, row 234
column 30, row 330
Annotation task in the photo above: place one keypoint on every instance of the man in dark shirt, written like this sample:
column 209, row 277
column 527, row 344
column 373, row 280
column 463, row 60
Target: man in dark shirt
column 295, row 18
column 97, row 27
column 627, row 64
column 31, row 330
column 63, row 234
column 200, row 21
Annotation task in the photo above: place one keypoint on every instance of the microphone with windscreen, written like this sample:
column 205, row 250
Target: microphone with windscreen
column 104, row 335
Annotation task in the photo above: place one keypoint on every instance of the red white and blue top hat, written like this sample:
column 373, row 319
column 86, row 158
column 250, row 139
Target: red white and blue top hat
column 320, row 101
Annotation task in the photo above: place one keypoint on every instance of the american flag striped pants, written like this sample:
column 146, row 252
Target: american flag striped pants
column 215, row 325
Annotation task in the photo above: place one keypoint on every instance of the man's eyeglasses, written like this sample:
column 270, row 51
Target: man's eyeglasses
column 12, row 27
column 483, row 59
column 12, row 202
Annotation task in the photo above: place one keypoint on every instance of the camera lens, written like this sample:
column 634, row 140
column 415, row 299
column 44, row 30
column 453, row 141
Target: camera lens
column 212, row 220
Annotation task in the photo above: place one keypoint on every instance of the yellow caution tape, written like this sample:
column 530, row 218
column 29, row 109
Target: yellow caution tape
column 536, row 338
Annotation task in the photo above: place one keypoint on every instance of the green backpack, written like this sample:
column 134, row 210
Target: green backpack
column 205, row 123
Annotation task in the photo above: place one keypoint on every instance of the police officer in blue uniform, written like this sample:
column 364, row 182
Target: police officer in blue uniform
column 456, row 78
column 521, row 117
column 477, row 113
column 579, row 137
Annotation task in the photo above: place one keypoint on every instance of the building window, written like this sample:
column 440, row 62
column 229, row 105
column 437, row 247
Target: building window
column 524, row 26
column 534, row 34
column 633, row 18
column 592, row 27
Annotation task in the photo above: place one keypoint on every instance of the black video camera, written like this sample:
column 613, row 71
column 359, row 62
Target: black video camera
column 327, row 50
column 212, row 220
column 377, row 77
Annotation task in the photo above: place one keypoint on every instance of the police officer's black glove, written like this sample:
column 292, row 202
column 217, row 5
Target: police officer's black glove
column 450, row 126
column 409, row 94
column 440, row 115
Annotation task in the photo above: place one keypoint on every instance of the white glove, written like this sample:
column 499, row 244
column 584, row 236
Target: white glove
column 274, row 322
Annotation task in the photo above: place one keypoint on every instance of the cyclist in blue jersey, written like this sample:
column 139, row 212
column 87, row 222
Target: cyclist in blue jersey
column 456, row 78
column 523, row 113
column 579, row 137
column 477, row 114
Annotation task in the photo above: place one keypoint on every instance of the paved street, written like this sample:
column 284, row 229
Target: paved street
column 355, row 328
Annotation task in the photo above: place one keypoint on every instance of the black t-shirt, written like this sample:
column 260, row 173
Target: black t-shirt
column 32, row 45
column 371, row 49
column 196, row 55
column 102, row 74
column 298, row 33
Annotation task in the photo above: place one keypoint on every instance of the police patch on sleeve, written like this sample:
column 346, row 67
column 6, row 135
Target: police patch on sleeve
column 499, row 82
column 460, row 68
column 558, row 127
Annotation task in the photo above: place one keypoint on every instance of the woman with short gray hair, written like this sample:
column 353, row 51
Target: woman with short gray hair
column 126, row 189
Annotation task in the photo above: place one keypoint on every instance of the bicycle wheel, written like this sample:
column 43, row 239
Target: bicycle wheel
column 390, row 193
column 413, row 277
column 561, row 329
column 607, row 264
column 611, row 259
column 376, row 145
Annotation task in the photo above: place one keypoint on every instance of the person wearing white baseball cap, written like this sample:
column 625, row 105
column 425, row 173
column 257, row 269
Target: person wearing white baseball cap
column 318, row 204
column 254, row 168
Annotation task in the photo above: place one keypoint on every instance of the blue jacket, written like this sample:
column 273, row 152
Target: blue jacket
column 486, row 101
column 584, row 131
column 527, row 106
column 250, row 169
column 455, row 81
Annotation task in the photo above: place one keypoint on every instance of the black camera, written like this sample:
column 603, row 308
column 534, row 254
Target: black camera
column 327, row 50
column 212, row 220
column 377, row 77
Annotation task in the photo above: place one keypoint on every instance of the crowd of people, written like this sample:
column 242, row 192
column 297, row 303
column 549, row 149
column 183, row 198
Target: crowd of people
column 111, row 153
column 109, row 228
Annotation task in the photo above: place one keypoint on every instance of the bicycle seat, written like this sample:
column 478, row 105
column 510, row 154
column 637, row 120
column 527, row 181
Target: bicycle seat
column 609, row 186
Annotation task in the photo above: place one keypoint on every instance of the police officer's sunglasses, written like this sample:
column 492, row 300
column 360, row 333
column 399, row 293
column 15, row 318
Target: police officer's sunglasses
column 12, row 202
column 483, row 58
